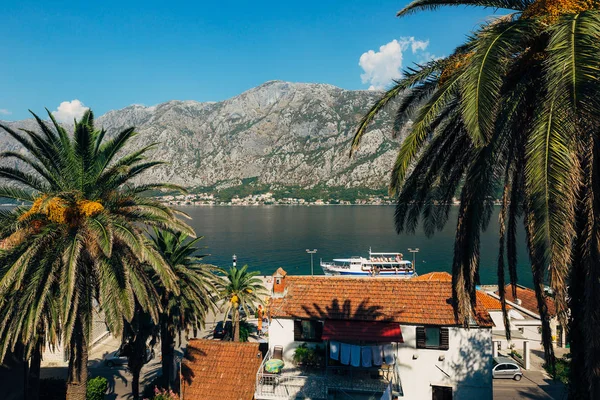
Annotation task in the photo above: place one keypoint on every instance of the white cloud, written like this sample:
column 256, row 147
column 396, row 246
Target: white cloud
column 4, row 111
column 381, row 67
column 67, row 111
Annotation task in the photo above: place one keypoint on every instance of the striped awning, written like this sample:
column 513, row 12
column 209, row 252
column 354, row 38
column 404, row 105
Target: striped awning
column 362, row 331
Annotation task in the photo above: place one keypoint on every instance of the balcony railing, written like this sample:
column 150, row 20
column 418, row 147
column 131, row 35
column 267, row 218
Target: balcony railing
column 294, row 383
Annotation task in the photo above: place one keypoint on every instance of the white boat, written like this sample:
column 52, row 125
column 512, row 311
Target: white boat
column 378, row 264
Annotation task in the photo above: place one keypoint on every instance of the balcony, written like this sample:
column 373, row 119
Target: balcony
column 313, row 383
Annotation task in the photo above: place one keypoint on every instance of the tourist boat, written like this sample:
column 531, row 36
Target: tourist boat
column 378, row 264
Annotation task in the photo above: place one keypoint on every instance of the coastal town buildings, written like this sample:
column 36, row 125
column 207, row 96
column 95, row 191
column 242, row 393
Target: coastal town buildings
column 524, row 319
column 424, row 352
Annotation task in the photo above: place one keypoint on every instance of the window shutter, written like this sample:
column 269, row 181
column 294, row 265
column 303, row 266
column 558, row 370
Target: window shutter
column 444, row 339
column 297, row 330
column 318, row 330
column 420, row 337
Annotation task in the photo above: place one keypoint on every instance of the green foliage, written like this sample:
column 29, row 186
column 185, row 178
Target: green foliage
column 81, row 237
column 241, row 289
column 514, row 110
column 562, row 369
column 245, row 330
column 309, row 356
column 96, row 389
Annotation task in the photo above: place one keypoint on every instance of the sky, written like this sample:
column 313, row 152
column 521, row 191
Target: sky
column 66, row 55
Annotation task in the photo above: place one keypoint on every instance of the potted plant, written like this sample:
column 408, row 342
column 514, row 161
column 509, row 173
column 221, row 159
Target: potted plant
column 301, row 354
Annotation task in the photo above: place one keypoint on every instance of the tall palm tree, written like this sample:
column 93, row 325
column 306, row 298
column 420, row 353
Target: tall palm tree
column 241, row 289
column 185, row 310
column 135, row 346
column 514, row 110
column 82, row 231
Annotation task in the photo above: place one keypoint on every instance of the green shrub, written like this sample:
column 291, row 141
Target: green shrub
column 245, row 329
column 301, row 354
column 96, row 388
column 309, row 356
column 562, row 369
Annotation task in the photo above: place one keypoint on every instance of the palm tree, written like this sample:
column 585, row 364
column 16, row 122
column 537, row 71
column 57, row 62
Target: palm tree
column 513, row 110
column 135, row 345
column 197, row 293
column 82, row 232
column 242, row 289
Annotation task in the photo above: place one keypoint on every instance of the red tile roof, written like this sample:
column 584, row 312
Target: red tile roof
column 215, row 370
column 406, row 301
column 528, row 300
column 489, row 302
column 434, row 276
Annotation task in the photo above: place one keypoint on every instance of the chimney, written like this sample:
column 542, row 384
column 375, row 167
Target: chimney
column 518, row 302
column 279, row 288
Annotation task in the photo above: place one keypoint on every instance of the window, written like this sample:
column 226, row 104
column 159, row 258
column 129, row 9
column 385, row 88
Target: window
column 432, row 337
column 441, row 393
column 306, row 330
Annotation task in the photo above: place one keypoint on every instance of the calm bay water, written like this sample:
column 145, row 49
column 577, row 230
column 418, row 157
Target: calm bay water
column 269, row 237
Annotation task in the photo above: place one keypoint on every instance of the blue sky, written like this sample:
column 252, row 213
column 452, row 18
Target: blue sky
column 110, row 54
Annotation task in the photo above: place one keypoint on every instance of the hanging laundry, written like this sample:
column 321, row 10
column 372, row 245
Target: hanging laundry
column 365, row 353
column 345, row 353
column 388, row 354
column 377, row 359
column 387, row 395
column 355, row 358
column 334, row 350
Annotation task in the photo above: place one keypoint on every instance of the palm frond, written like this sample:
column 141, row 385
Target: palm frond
column 432, row 5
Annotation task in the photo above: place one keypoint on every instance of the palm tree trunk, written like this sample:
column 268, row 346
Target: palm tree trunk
column 78, row 359
column 236, row 324
column 136, row 363
column 167, row 346
column 33, row 378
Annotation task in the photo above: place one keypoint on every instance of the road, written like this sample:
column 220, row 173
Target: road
column 534, row 385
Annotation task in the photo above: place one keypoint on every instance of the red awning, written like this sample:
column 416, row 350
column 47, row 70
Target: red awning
column 362, row 330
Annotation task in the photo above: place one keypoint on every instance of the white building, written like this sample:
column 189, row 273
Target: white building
column 524, row 319
column 430, row 355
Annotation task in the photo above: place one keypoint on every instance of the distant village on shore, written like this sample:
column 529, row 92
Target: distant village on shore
column 209, row 199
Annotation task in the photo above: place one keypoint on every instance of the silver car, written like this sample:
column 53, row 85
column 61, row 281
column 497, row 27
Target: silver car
column 506, row 368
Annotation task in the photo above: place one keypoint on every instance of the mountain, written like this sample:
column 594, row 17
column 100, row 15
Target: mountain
column 277, row 134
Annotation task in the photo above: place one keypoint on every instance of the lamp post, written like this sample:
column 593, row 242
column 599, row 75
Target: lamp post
column 414, row 253
column 311, row 252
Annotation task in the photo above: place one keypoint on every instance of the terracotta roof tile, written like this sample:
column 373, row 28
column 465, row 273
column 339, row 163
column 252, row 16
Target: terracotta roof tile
column 434, row 276
column 406, row 301
column 528, row 299
column 489, row 302
column 215, row 370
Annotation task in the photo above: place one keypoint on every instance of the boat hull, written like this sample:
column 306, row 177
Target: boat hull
column 347, row 272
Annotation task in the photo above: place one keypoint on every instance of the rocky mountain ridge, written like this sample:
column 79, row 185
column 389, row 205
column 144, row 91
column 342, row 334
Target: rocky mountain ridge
column 279, row 134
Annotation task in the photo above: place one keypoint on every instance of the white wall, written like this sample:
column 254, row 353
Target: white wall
column 468, row 362
column 530, row 329
column 281, row 333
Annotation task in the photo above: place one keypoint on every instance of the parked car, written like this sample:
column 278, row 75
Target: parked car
column 506, row 368
column 118, row 357
column 222, row 329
